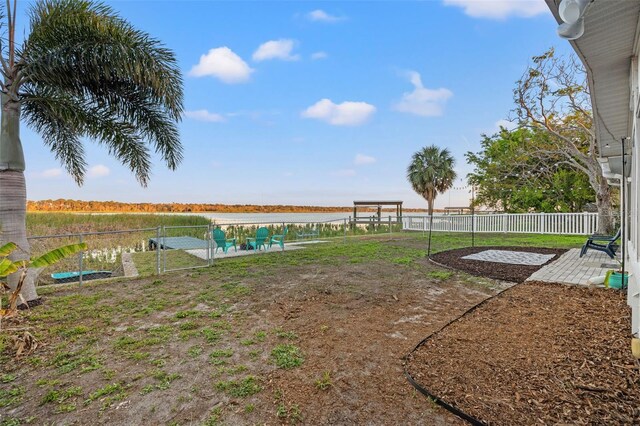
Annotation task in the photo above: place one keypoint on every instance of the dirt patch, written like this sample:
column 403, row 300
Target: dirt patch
column 498, row 271
column 198, row 347
column 561, row 356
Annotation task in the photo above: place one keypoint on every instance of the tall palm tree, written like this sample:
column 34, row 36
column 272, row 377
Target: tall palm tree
column 430, row 173
column 82, row 72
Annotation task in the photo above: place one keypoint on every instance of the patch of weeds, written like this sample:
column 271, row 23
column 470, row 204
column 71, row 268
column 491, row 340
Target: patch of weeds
column 11, row 396
column 73, row 331
column 185, row 335
column 78, row 361
column 187, row 314
column 129, row 343
column 139, row 356
column 222, row 325
column 324, row 382
column 60, row 396
column 106, row 390
column 10, row 421
column 7, row 378
column 286, row 334
column 287, row 356
column 440, row 275
column 240, row 388
column 157, row 282
column 221, row 353
column 406, row 260
column 281, row 411
column 295, row 414
column 164, row 379
column 214, row 417
column 210, row 335
column 47, row 382
column 147, row 389
column 248, row 342
column 249, row 408
column 189, row 325
column 215, row 314
column 65, row 408
column 108, row 374
column 260, row 336
column 160, row 362
column 230, row 370
column 164, row 331
column 194, row 351
column 255, row 353
column 235, row 289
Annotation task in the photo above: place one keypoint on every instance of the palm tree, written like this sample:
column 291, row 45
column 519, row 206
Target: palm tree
column 430, row 173
column 82, row 72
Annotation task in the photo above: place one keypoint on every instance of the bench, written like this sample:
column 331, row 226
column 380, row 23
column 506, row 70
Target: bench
column 311, row 233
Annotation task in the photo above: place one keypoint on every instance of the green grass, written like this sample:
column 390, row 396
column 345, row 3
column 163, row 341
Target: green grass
column 287, row 356
column 240, row 388
column 63, row 223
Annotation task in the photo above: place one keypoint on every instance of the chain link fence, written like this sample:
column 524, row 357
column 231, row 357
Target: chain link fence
column 153, row 251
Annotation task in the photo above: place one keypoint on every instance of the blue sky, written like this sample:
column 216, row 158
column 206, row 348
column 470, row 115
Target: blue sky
column 318, row 103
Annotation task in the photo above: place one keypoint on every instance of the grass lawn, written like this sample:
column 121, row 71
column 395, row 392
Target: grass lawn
column 312, row 336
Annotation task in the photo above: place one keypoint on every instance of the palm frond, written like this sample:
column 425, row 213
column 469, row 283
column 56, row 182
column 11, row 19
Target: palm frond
column 86, row 72
column 57, row 255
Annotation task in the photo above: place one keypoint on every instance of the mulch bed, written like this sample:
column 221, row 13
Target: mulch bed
column 498, row 271
column 537, row 353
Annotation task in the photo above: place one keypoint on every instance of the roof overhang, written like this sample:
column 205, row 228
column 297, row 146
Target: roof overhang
column 607, row 52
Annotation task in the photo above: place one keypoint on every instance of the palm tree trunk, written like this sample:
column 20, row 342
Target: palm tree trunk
column 430, row 203
column 13, row 195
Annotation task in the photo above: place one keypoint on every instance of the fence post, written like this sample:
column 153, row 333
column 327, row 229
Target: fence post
column 158, row 250
column 504, row 223
column 209, row 245
column 344, row 238
column 543, row 220
column 80, row 263
column 389, row 224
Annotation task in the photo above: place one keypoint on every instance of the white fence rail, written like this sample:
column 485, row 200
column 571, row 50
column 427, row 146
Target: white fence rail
column 515, row 223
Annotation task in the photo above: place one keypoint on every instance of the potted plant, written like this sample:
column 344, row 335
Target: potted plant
column 614, row 279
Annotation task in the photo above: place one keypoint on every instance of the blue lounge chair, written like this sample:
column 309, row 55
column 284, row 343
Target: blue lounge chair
column 278, row 239
column 262, row 234
column 222, row 241
column 605, row 243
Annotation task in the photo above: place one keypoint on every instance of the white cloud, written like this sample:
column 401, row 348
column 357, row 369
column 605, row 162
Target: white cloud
column 276, row 49
column 343, row 173
column 51, row 173
column 344, row 114
column 98, row 171
column 500, row 9
column 319, row 55
column 422, row 101
column 204, row 115
column 363, row 159
column 223, row 64
column 320, row 15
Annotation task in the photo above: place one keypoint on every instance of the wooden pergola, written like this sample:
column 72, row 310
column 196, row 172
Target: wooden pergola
column 377, row 218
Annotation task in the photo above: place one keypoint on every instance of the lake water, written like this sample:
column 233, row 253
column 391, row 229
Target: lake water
column 228, row 218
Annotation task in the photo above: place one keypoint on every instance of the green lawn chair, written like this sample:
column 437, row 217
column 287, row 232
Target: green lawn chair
column 222, row 241
column 278, row 239
column 262, row 234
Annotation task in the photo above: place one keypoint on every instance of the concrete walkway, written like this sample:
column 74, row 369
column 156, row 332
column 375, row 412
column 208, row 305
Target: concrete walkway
column 571, row 269
column 202, row 253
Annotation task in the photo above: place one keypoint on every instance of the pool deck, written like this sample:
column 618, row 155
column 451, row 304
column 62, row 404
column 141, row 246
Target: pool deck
column 570, row 268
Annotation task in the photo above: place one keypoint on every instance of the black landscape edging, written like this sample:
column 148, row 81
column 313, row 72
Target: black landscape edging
column 451, row 408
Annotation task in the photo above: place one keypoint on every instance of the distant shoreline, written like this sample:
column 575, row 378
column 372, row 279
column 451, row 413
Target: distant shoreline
column 81, row 206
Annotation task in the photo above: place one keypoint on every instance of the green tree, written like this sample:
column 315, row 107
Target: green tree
column 82, row 72
column 553, row 98
column 510, row 175
column 430, row 173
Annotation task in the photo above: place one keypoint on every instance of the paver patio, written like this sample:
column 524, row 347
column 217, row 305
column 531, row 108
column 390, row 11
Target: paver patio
column 572, row 269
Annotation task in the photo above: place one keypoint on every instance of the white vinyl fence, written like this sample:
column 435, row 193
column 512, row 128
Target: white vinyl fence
column 518, row 223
